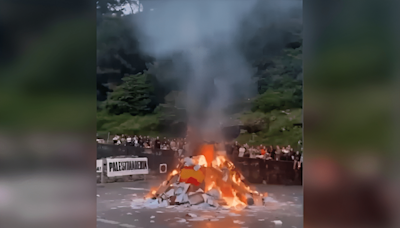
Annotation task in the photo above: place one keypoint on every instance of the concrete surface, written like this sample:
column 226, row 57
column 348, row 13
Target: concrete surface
column 114, row 209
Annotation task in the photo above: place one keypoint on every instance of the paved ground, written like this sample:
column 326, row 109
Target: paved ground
column 114, row 210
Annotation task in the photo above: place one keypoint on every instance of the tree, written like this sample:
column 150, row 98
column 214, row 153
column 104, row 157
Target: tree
column 282, row 72
column 134, row 96
column 278, row 99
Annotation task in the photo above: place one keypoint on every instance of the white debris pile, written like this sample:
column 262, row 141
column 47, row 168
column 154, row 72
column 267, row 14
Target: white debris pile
column 174, row 193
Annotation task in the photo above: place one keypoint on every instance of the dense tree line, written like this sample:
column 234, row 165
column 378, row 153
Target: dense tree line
column 131, row 82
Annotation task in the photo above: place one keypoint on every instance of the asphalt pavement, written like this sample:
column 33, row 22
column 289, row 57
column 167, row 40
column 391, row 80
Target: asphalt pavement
column 114, row 209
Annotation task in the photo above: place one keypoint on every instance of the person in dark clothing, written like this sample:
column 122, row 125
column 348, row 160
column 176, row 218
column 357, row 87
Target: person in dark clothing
column 235, row 155
column 291, row 155
column 235, row 146
column 140, row 141
column 297, row 162
column 272, row 152
column 180, row 144
column 228, row 148
column 157, row 143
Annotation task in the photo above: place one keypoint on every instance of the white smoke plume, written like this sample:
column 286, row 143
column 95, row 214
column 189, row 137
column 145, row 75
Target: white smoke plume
column 205, row 34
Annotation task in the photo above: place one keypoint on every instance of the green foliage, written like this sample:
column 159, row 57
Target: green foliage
column 279, row 99
column 282, row 72
column 280, row 83
column 274, row 134
column 134, row 96
column 126, row 124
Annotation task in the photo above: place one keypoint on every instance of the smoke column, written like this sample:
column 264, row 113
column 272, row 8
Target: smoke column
column 205, row 34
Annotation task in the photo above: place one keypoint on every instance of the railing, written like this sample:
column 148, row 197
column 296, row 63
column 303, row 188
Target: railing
column 254, row 170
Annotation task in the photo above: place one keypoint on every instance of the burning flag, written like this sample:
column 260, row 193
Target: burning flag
column 190, row 176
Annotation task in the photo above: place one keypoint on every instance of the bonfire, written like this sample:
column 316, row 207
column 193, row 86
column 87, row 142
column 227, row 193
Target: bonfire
column 208, row 178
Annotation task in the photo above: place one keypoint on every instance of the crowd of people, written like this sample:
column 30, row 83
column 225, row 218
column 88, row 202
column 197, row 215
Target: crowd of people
column 148, row 142
column 234, row 150
column 277, row 153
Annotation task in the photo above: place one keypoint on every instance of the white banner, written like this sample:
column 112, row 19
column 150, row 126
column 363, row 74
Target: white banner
column 99, row 165
column 126, row 166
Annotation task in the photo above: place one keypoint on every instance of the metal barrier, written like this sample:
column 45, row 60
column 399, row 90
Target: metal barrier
column 162, row 162
column 272, row 172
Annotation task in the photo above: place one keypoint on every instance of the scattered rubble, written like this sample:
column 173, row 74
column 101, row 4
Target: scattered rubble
column 191, row 215
column 278, row 223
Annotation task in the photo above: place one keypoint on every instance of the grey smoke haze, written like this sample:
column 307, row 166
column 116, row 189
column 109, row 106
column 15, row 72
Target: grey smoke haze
column 211, row 66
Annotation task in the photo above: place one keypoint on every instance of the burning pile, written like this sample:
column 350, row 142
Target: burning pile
column 207, row 178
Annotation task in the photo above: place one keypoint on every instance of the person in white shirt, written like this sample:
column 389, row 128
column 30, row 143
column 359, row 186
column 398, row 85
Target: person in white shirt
column 278, row 153
column 173, row 145
column 252, row 152
column 116, row 138
column 242, row 150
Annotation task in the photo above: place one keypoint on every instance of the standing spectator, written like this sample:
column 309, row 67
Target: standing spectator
column 140, row 141
column 145, row 145
column 246, row 146
column 115, row 139
column 157, row 143
column 292, row 155
column 180, row 144
column 236, row 146
column 278, row 153
column 173, row 145
column 272, row 152
column 180, row 149
column 123, row 140
column 267, row 154
column 146, row 142
column 262, row 150
column 185, row 147
column 285, row 153
column 252, row 152
column 235, row 152
column 228, row 149
column 297, row 160
column 129, row 141
column 242, row 151
column 301, row 159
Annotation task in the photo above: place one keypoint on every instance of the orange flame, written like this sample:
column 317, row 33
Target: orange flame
column 200, row 160
column 231, row 190
column 208, row 152
column 174, row 172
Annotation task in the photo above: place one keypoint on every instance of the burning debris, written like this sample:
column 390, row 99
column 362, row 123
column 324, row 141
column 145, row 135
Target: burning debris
column 208, row 178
